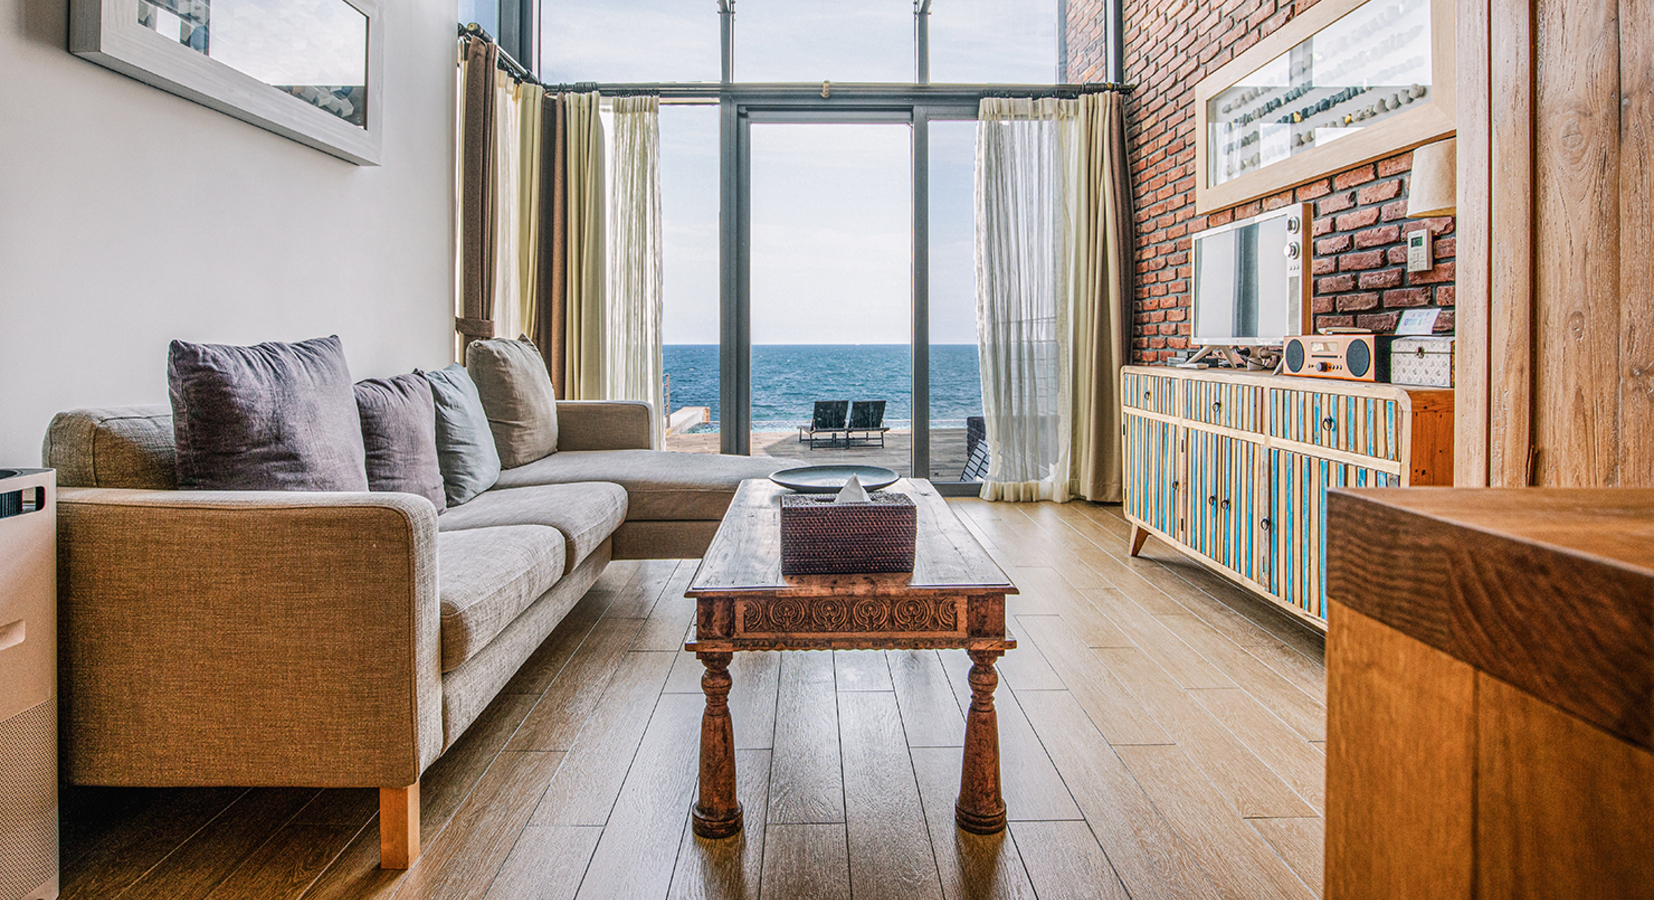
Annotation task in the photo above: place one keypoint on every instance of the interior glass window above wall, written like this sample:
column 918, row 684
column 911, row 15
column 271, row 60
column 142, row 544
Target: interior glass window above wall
column 824, row 40
column 631, row 41
column 483, row 13
column 993, row 41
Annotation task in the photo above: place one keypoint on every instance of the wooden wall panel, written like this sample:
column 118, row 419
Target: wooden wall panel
column 1562, row 808
column 1470, row 426
column 1636, row 446
column 1576, row 257
column 1511, row 223
column 1400, row 765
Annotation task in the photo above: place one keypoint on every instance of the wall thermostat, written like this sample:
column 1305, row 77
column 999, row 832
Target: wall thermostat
column 1419, row 251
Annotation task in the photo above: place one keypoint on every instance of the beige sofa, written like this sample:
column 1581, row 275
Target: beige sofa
column 333, row 639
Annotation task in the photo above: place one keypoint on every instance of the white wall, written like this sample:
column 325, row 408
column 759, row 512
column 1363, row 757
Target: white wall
column 130, row 217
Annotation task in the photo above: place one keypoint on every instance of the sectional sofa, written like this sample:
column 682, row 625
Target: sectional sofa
column 333, row 639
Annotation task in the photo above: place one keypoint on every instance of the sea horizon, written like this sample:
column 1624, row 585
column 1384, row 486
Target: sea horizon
column 787, row 379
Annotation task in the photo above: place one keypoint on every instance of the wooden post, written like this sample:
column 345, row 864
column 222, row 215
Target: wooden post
column 398, row 826
column 717, row 812
column 981, row 808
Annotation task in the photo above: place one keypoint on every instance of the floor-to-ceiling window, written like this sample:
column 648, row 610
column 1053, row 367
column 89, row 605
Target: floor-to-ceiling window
column 817, row 203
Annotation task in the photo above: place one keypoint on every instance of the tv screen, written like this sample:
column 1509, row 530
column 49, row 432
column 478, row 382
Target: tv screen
column 1248, row 280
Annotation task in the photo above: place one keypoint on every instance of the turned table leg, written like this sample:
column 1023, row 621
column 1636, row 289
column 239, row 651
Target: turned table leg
column 717, row 812
column 981, row 808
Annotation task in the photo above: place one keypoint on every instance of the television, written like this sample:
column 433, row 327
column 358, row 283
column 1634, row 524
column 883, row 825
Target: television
column 1249, row 286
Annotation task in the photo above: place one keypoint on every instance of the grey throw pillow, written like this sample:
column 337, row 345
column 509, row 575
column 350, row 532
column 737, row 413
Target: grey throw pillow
column 464, row 445
column 517, row 394
column 272, row 417
column 399, row 435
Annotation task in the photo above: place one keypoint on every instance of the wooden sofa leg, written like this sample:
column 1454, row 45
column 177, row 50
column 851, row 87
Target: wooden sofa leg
column 398, row 826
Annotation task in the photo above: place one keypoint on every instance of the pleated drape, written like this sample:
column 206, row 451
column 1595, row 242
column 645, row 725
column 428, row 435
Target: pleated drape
column 632, row 363
column 1100, row 280
column 506, row 266
column 584, row 250
column 480, row 61
column 550, row 308
column 1054, row 279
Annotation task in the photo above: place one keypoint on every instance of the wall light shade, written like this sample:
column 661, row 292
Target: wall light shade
column 1433, row 191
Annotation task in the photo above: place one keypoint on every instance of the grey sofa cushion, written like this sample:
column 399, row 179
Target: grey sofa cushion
column 399, row 436
column 464, row 444
column 585, row 513
column 518, row 397
column 270, row 417
column 118, row 447
column 660, row 484
column 486, row 577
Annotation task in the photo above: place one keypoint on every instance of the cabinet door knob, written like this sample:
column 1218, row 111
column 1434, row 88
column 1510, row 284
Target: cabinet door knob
column 1264, row 524
column 1212, row 499
column 1148, row 394
column 1225, row 505
column 1217, row 404
column 1329, row 423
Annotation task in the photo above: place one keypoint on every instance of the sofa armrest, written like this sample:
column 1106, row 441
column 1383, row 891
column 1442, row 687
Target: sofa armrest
column 603, row 424
column 248, row 638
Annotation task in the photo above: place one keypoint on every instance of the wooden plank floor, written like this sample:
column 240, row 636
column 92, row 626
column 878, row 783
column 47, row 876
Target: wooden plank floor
column 1161, row 734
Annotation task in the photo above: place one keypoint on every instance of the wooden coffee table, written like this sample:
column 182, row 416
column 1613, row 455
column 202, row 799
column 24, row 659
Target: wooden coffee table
column 954, row 599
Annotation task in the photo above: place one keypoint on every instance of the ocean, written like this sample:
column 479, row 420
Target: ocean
column 787, row 379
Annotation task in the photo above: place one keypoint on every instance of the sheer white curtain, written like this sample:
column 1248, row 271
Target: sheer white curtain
column 632, row 367
column 1022, row 157
column 507, row 207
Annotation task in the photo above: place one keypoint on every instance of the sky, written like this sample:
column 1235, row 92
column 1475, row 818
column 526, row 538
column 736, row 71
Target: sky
column 831, row 204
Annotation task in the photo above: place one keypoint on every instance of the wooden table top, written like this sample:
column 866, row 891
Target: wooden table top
column 745, row 555
column 1548, row 589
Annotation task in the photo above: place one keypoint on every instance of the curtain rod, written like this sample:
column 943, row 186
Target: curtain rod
column 513, row 68
column 827, row 90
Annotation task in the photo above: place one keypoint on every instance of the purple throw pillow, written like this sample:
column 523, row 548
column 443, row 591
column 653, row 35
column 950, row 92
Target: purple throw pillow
column 399, row 435
column 271, row 417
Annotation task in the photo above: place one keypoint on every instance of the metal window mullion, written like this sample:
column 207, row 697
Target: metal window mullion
column 921, row 293
column 735, row 302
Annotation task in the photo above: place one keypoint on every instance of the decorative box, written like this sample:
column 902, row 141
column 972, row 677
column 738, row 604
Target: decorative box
column 820, row 537
column 1422, row 360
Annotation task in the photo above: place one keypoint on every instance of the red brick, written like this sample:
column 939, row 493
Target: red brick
column 1357, row 302
column 1323, row 266
column 1445, row 295
column 1320, row 305
column 1338, row 243
column 1353, row 177
column 1315, row 189
column 1377, row 193
column 1220, row 218
column 1321, row 226
column 1407, row 297
column 1366, row 259
column 1442, row 272
column 1335, row 203
column 1335, row 284
column 1361, row 218
column 1394, row 211
column 1445, row 321
column 1335, row 322
column 1383, row 278
column 1377, row 237
column 1446, row 248
column 1381, row 323
column 1396, row 255
column 1395, row 165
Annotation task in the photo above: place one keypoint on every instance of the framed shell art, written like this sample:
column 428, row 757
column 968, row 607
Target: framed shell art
column 1343, row 83
column 308, row 70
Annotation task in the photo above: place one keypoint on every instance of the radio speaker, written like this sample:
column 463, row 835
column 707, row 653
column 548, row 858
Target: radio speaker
column 1351, row 357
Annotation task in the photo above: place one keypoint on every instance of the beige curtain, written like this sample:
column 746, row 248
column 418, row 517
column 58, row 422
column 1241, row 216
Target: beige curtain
column 506, row 267
column 530, row 103
column 584, row 250
column 632, row 366
column 1099, row 288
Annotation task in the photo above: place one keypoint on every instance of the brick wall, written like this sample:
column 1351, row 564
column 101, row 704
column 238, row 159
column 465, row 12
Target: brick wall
column 1359, row 252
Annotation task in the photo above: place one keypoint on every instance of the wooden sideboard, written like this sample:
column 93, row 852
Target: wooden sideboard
column 1490, row 694
column 1233, row 467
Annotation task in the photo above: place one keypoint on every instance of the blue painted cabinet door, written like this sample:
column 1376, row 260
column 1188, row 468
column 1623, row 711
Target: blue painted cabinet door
column 1297, row 516
column 1224, row 505
column 1153, row 473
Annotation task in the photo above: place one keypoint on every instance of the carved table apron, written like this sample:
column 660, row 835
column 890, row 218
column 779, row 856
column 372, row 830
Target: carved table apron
column 953, row 599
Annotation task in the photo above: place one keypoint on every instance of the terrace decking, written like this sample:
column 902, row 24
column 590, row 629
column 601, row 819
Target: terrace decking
column 1161, row 736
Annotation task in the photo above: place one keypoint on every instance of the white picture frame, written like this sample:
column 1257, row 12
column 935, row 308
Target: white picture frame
column 108, row 33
